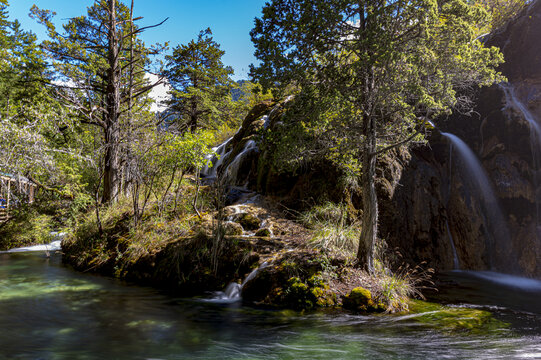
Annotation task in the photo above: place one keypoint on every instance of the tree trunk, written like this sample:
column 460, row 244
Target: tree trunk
column 193, row 116
column 365, row 254
column 112, row 178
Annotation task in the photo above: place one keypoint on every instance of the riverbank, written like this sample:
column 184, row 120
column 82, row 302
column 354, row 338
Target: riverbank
column 193, row 256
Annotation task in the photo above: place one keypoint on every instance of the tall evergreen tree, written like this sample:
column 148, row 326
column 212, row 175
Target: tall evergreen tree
column 101, row 64
column 22, row 68
column 200, row 82
column 396, row 64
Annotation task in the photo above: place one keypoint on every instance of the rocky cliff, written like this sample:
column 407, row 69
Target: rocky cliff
column 437, row 204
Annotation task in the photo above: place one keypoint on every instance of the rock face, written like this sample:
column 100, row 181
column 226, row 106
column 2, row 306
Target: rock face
column 437, row 206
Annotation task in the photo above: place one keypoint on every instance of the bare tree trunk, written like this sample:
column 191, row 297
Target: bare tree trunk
column 365, row 254
column 127, row 169
column 112, row 177
column 193, row 116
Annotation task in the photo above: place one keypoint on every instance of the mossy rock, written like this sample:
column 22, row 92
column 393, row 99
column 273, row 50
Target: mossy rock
column 360, row 300
column 453, row 319
column 305, row 296
column 265, row 232
column 249, row 221
column 232, row 228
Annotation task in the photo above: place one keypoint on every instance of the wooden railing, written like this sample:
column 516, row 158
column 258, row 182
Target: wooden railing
column 9, row 186
column 3, row 214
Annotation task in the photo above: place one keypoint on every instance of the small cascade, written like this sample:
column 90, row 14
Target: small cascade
column 233, row 291
column 456, row 263
column 232, row 170
column 216, row 158
column 512, row 101
column 499, row 238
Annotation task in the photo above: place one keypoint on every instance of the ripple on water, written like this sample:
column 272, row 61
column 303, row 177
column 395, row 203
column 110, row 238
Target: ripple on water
column 48, row 311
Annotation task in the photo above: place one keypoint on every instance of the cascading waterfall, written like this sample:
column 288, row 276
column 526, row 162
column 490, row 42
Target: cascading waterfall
column 216, row 158
column 456, row 262
column 53, row 246
column 233, row 291
column 512, row 101
column 498, row 235
column 221, row 155
column 231, row 172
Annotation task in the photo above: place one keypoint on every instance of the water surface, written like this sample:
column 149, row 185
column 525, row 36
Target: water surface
column 48, row 311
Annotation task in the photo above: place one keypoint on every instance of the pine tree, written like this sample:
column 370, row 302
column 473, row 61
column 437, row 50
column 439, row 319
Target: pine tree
column 200, row 82
column 22, row 68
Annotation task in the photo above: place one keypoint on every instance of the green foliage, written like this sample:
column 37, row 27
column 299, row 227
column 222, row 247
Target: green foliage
column 246, row 95
column 397, row 284
column 30, row 225
column 200, row 81
column 502, row 11
column 22, row 68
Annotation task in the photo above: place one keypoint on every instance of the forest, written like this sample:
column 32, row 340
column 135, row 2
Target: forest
column 328, row 180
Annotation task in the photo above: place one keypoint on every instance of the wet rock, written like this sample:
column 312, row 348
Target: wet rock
column 232, row 228
column 234, row 194
column 360, row 300
column 265, row 232
column 249, row 221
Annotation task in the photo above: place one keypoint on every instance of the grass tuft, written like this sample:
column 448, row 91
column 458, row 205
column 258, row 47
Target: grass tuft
column 333, row 230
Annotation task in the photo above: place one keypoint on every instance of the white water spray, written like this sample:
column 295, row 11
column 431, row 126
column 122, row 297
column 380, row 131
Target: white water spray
column 233, row 291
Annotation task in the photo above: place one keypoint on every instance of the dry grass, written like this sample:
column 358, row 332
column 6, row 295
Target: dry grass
column 333, row 230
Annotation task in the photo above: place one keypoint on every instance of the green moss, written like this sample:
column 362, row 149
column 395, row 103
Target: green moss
column 453, row 318
column 263, row 232
column 316, row 280
column 232, row 228
column 305, row 296
column 249, row 221
column 360, row 300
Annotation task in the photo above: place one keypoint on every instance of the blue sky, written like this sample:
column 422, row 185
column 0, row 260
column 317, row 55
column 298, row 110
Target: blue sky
column 230, row 21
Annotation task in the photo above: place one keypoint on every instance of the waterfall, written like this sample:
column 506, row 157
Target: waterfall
column 216, row 159
column 535, row 139
column 233, row 291
column 456, row 264
column 498, row 235
column 232, row 170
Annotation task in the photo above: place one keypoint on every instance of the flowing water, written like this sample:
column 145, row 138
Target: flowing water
column 48, row 311
column 497, row 232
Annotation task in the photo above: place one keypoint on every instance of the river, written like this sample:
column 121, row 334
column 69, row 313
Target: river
column 48, row 311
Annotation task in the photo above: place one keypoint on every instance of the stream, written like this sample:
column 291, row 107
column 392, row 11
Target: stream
column 48, row 311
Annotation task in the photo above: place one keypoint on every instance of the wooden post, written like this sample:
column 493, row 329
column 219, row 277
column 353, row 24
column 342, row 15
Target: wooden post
column 9, row 197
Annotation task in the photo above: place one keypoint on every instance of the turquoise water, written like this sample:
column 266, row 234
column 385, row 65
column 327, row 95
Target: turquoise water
column 48, row 311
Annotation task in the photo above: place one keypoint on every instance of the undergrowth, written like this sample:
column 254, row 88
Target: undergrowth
column 333, row 229
column 397, row 281
column 31, row 224
column 120, row 239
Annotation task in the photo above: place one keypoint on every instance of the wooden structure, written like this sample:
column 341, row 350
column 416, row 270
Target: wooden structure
column 13, row 191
